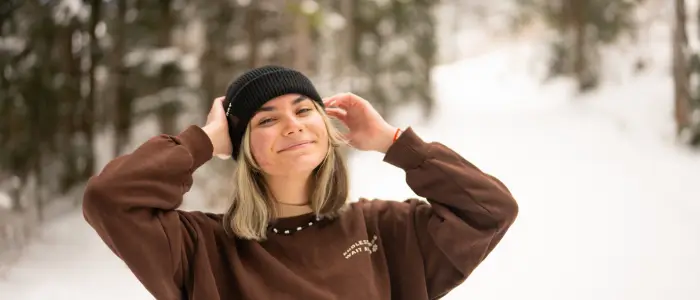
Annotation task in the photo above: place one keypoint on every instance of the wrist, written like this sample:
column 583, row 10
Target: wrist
column 390, row 136
column 210, row 134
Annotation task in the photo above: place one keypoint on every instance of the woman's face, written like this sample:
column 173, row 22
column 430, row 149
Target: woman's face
column 288, row 135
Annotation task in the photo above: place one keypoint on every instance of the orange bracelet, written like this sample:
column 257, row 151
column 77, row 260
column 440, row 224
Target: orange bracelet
column 396, row 135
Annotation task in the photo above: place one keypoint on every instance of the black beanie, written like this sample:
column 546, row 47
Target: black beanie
column 253, row 89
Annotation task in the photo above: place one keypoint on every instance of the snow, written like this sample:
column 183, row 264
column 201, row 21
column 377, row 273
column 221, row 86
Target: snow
column 607, row 198
column 12, row 44
column 5, row 201
column 607, row 211
column 69, row 261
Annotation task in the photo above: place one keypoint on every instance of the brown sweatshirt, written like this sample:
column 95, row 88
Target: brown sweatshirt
column 376, row 249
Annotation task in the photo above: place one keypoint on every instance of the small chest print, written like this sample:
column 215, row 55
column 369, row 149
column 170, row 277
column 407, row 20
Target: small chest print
column 362, row 246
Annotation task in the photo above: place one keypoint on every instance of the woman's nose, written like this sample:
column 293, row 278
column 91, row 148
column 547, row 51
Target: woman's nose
column 292, row 125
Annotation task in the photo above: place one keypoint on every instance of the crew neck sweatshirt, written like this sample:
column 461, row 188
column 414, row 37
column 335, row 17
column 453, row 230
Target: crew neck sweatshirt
column 376, row 249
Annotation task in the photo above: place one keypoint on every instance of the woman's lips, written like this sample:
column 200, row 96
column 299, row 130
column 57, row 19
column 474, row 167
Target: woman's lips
column 296, row 146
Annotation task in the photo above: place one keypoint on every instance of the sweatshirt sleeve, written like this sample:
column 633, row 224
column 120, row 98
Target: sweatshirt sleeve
column 132, row 202
column 466, row 214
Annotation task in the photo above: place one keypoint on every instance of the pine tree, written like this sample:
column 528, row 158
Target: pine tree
column 580, row 28
column 686, row 65
column 388, row 50
column 76, row 71
column 46, row 116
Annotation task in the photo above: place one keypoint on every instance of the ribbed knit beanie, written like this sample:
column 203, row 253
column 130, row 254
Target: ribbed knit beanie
column 253, row 89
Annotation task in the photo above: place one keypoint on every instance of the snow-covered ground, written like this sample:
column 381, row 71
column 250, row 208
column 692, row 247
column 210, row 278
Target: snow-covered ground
column 608, row 203
column 607, row 200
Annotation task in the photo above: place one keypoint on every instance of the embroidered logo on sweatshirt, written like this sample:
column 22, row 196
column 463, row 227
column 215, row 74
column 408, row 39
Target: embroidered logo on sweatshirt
column 362, row 246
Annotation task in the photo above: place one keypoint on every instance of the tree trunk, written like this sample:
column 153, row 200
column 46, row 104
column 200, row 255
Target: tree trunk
column 345, row 55
column 252, row 19
column 680, row 68
column 38, row 198
column 44, row 117
column 216, row 70
column 301, row 39
column 122, row 102
column 302, row 44
column 579, row 49
column 167, row 113
column 88, row 118
column 71, row 111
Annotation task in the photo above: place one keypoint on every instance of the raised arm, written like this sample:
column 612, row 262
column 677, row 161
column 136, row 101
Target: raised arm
column 467, row 214
column 131, row 205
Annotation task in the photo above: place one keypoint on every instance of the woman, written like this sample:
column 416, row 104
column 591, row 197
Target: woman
column 289, row 232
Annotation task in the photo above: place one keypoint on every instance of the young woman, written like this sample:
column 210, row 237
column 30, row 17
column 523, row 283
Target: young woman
column 290, row 232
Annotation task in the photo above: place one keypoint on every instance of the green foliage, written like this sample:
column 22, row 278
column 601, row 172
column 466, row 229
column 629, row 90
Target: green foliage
column 58, row 88
column 41, row 105
column 394, row 48
column 608, row 19
column 581, row 27
column 612, row 19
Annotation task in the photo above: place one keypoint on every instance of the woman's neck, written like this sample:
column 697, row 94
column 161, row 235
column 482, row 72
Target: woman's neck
column 291, row 195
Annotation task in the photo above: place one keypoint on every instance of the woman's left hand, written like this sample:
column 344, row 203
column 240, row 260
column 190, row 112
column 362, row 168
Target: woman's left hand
column 368, row 130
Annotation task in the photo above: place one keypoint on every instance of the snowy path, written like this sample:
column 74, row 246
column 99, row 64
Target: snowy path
column 603, row 215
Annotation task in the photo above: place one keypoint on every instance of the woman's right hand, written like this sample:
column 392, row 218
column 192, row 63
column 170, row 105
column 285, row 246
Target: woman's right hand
column 217, row 130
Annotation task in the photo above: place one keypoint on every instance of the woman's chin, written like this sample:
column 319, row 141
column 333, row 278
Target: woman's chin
column 306, row 164
column 299, row 164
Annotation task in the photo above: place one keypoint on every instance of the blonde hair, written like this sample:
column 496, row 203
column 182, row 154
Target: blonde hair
column 252, row 207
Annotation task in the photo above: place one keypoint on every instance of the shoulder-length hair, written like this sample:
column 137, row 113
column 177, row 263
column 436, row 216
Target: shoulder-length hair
column 252, row 208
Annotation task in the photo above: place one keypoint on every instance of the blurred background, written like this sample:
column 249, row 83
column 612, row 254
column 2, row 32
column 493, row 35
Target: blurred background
column 589, row 110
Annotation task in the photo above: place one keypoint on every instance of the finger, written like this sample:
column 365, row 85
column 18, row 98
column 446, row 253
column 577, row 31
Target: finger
column 219, row 102
column 343, row 100
column 346, row 101
column 328, row 100
column 331, row 99
column 218, row 107
column 337, row 113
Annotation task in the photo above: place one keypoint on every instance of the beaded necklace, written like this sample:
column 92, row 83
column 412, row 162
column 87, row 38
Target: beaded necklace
column 299, row 228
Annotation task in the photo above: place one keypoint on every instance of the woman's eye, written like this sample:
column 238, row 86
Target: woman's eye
column 266, row 121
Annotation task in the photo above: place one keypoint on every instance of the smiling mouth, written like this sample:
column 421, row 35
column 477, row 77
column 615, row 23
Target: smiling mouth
column 296, row 146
